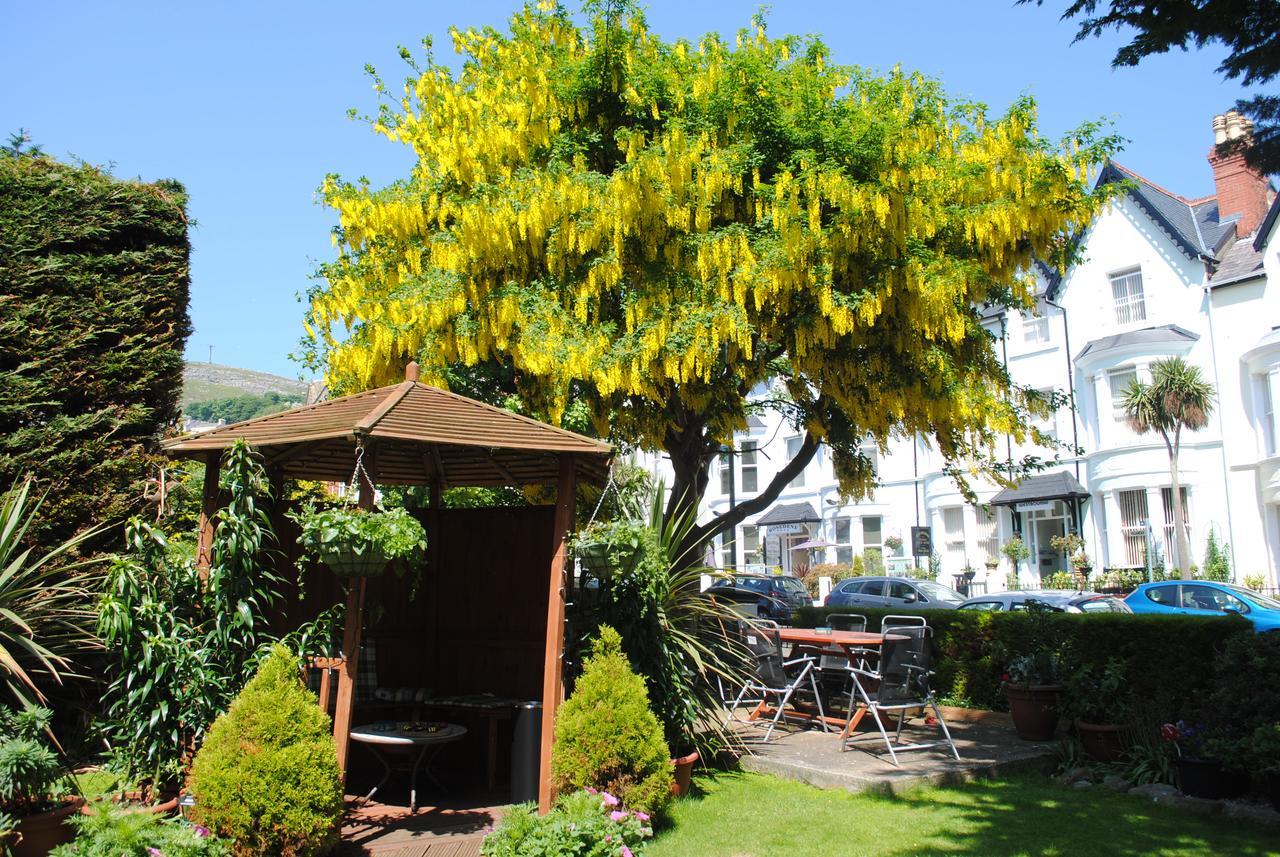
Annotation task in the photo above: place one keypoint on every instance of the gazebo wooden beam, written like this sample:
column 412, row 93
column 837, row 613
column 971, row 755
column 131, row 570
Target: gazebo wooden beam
column 352, row 627
column 553, row 657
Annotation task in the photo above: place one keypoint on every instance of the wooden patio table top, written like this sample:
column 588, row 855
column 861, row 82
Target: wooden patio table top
column 810, row 636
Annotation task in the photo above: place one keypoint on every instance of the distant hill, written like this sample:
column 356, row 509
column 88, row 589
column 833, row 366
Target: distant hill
column 205, row 382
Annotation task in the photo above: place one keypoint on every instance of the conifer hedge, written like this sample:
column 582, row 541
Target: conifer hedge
column 94, row 290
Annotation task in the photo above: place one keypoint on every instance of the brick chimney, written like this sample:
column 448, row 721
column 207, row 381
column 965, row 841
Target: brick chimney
column 1241, row 190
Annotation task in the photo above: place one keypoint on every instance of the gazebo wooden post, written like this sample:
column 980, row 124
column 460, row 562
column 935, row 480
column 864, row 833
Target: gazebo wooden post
column 553, row 659
column 351, row 631
column 208, row 509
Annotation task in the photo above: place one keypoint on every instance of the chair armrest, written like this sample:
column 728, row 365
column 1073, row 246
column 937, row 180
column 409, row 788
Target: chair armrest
column 806, row 659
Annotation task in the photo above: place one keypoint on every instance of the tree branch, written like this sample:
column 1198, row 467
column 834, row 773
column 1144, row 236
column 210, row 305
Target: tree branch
column 762, row 500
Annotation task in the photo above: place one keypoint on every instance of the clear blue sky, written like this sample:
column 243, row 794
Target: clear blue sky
column 245, row 103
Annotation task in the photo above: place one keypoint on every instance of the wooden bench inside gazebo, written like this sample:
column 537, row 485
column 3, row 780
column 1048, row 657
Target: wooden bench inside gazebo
column 414, row 434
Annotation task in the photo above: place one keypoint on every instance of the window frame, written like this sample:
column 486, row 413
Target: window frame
column 1129, row 308
column 798, row 480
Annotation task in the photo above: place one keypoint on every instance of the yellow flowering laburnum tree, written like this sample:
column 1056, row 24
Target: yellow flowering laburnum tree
column 658, row 229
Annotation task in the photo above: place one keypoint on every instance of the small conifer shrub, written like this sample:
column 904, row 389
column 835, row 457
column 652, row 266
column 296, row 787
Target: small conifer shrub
column 267, row 776
column 607, row 738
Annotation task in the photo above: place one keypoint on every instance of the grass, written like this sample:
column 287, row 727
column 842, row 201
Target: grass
column 750, row 815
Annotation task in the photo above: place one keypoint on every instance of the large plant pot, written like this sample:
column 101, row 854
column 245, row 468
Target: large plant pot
column 1101, row 741
column 683, row 774
column 1034, row 709
column 1209, row 779
column 37, row 835
column 346, row 563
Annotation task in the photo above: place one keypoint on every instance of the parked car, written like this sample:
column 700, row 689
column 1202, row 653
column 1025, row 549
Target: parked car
column 1206, row 598
column 1058, row 600
column 893, row 592
column 777, row 596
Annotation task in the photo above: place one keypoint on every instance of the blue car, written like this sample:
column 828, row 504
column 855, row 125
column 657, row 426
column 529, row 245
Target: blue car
column 1205, row 598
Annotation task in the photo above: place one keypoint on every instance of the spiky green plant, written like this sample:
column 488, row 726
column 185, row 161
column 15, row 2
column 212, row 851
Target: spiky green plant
column 46, row 612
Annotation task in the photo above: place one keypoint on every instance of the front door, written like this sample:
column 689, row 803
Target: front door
column 1049, row 561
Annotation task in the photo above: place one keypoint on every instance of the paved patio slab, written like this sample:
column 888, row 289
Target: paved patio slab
column 987, row 743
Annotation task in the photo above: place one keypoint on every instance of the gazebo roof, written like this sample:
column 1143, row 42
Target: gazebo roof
column 417, row 434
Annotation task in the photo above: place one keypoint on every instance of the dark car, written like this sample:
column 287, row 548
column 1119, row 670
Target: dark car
column 893, row 592
column 776, row 596
column 1055, row 599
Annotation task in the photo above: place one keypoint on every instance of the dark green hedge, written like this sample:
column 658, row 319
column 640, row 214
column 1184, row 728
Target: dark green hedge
column 94, row 288
column 1169, row 659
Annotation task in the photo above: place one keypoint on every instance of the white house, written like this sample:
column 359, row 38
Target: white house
column 1159, row 275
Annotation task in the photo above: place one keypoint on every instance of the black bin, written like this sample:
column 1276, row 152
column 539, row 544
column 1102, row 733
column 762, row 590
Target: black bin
column 526, row 751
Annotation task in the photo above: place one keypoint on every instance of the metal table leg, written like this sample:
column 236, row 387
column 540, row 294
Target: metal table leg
column 386, row 773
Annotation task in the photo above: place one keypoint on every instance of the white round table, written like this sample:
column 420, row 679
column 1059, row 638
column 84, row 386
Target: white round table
column 381, row 741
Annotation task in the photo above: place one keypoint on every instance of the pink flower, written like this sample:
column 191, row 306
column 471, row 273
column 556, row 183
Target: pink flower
column 609, row 800
column 202, row 831
column 618, row 815
column 155, row 852
column 592, row 791
column 625, row 852
column 643, row 816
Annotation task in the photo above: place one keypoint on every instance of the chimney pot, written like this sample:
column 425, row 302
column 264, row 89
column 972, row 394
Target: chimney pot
column 1242, row 191
column 411, row 371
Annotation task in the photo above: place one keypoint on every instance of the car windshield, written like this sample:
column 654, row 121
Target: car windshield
column 1256, row 597
column 938, row 592
column 790, row 583
column 755, row 584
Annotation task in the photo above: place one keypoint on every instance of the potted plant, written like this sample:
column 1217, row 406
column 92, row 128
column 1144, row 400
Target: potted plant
column 1199, row 774
column 894, row 544
column 357, row 543
column 610, row 547
column 1072, row 546
column 1031, row 687
column 1099, row 701
column 1016, row 550
column 35, row 788
column 992, row 563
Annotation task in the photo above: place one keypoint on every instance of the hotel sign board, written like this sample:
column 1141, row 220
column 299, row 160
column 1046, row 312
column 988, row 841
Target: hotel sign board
column 1038, row 506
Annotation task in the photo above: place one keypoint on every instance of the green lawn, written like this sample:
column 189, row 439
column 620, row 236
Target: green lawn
column 750, row 815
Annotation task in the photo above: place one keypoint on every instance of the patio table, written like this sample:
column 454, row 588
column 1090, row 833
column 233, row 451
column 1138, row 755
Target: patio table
column 802, row 639
column 382, row 739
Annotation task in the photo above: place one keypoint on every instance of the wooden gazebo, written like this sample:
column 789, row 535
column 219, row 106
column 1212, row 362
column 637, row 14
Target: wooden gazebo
column 414, row 434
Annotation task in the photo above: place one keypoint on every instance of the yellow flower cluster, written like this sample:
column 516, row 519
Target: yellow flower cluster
column 649, row 217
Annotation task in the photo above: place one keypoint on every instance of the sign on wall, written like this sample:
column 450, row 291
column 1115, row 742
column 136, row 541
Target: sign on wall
column 922, row 541
column 1041, row 506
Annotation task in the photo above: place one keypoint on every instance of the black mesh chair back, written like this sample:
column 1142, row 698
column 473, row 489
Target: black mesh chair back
column 904, row 666
column 847, row 622
column 763, row 642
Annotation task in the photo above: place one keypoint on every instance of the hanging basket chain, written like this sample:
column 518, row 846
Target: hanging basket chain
column 352, row 494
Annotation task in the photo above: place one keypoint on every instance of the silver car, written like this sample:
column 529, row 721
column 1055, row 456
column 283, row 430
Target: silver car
column 899, row 592
column 1057, row 600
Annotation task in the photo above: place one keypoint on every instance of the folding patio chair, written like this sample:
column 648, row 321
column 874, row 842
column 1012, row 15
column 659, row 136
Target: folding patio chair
column 900, row 682
column 833, row 661
column 772, row 679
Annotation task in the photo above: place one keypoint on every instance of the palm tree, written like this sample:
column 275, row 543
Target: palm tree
column 1177, row 398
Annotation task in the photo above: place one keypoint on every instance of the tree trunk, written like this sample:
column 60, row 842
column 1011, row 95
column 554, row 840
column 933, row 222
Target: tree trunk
column 1179, row 530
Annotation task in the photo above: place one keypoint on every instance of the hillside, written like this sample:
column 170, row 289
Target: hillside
column 203, row 382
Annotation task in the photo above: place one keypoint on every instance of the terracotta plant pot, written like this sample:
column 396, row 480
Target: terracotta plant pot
column 684, row 774
column 37, row 835
column 1209, row 779
column 1101, row 741
column 131, row 801
column 1034, row 709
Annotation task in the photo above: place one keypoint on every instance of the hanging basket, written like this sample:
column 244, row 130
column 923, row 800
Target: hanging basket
column 345, row 562
column 600, row 559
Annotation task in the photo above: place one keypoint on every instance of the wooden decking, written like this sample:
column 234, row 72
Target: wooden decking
column 454, row 829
